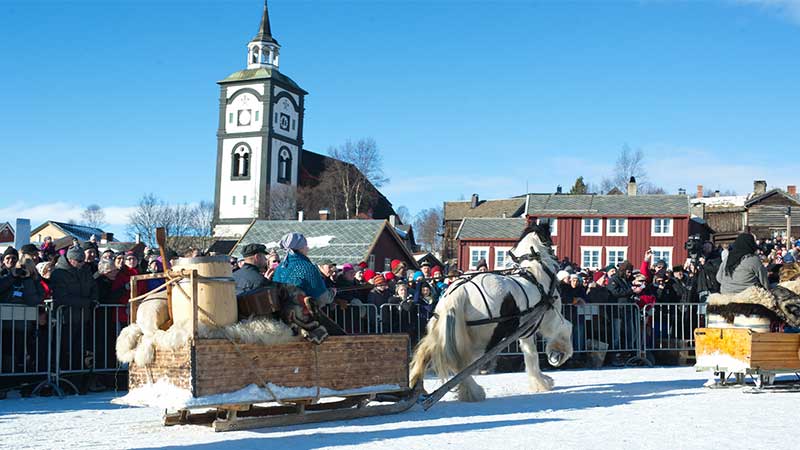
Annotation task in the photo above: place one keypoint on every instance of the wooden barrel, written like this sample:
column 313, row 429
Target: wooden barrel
column 216, row 298
column 758, row 324
column 717, row 321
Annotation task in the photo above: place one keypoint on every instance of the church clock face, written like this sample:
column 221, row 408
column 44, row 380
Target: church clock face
column 284, row 124
column 244, row 117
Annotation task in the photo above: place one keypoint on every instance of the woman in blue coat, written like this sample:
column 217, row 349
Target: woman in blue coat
column 296, row 269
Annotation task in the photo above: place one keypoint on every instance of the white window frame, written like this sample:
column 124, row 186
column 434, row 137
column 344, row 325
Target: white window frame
column 623, row 221
column 478, row 249
column 624, row 250
column 500, row 251
column 663, row 233
column 599, row 231
column 553, row 224
column 661, row 250
column 598, row 249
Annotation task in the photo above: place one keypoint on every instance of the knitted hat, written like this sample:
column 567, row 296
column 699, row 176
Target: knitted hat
column 75, row 253
column 368, row 274
column 11, row 251
column 389, row 276
column 597, row 275
column 436, row 270
column 347, row 267
column 362, row 264
column 378, row 280
column 482, row 263
column 609, row 267
column 418, row 275
column 395, row 263
column 562, row 275
column 40, row 267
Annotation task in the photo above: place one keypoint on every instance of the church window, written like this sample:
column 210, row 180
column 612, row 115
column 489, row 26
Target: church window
column 240, row 162
column 233, row 201
column 285, row 166
column 230, row 117
column 254, row 60
column 244, row 199
column 294, row 124
column 257, row 116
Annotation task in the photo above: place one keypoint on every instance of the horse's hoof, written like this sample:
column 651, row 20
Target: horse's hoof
column 543, row 384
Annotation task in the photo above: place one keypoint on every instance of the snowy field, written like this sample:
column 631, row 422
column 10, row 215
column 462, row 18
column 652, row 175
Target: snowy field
column 662, row 408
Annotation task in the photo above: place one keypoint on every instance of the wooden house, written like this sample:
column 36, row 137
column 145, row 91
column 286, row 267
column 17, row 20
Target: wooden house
column 455, row 212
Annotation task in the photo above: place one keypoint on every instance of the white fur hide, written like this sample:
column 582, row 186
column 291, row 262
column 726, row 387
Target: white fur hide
column 752, row 295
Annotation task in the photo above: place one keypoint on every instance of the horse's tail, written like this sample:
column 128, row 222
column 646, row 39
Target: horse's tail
column 446, row 344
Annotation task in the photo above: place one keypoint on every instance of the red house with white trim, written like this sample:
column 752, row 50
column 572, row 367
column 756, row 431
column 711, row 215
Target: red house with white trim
column 591, row 230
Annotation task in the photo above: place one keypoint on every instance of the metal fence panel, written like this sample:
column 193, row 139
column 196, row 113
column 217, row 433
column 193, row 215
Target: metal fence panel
column 670, row 326
column 23, row 340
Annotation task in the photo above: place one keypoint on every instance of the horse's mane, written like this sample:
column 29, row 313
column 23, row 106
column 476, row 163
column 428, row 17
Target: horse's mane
column 542, row 230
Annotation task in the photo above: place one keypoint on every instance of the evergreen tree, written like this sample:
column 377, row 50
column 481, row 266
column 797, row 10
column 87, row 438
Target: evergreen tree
column 579, row 187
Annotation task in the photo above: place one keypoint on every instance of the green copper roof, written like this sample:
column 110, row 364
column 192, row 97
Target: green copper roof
column 261, row 73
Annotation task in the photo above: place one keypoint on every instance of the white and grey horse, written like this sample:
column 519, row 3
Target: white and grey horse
column 451, row 343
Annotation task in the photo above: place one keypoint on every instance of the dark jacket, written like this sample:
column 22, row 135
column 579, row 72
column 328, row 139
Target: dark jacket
column 378, row 298
column 21, row 291
column 248, row 278
column 71, row 286
column 620, row 289
column 597, row 294
column 707, row 276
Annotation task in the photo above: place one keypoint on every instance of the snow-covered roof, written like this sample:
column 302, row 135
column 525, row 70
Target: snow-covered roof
column 727, row 201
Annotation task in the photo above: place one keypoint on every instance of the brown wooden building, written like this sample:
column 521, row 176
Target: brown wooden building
column 6, row 232
column 455, row 212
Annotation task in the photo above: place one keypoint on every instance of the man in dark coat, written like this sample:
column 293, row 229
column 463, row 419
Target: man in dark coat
column 251, row 275
column 623, row 319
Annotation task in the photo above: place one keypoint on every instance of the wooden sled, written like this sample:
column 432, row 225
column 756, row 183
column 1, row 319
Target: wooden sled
column 736, row 353
column 298, row 382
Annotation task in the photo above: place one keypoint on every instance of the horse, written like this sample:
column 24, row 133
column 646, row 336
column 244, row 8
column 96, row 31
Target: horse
column 451, row 343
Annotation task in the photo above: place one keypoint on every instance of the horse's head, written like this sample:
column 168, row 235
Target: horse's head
column 535, row 239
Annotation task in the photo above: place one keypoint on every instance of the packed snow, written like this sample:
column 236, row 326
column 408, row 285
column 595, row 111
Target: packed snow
column 658, row 408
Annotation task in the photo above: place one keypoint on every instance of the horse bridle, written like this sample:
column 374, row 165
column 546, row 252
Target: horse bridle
column 537, row 257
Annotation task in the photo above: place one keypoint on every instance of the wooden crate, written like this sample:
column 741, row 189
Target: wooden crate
column 213, row 366
column 756, row 351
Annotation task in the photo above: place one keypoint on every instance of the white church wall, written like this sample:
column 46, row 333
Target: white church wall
column 277, row 144
column 245, row 191
column 230, row 91
column 294, row 96
column 285, row 118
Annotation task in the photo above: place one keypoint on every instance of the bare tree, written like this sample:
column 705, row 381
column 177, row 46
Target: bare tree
column 283, row 202
column 93, row 216
column 630, row 163
column 403, row 214
column 184, row 223
column 356, row 168
column 428, row 229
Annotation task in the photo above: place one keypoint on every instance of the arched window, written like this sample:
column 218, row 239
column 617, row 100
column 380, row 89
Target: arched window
column 240, row 162
column 255, row 58
column 285, row 166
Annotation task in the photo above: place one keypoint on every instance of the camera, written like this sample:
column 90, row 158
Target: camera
column 694, row 246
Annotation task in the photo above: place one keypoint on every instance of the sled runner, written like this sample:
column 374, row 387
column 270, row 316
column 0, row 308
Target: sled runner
column 737, row 353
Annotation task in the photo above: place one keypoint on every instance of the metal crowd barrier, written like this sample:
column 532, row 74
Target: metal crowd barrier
column 670, row 326
column 23, row 340
column 355, row 319
column 408, row 318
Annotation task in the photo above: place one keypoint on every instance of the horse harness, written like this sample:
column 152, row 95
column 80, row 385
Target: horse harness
column 546, row 296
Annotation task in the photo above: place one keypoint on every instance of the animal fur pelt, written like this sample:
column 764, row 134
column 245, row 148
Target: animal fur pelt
column 781, row 304
column 134, row 345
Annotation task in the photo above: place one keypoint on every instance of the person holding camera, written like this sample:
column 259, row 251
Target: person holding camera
column 19, row 284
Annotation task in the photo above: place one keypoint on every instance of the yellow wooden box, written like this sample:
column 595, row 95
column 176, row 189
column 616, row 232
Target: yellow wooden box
column 741, row 349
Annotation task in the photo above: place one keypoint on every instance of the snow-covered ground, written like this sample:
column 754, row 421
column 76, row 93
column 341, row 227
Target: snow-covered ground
column 664, row 408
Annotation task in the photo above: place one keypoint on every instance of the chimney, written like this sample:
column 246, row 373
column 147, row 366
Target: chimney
column 759, row 187
column 474, row 203
column 558, row 189
column 681, row 191
column 105, row 238
column 323, row 214
column 791, row 190
column 299, row 216
column 138, row 238
column 632, row 186
column 716, row 193
column 393, row 220
column 699, row 191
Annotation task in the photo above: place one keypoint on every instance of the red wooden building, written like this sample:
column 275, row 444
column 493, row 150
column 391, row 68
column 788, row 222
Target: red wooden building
column 591, row 230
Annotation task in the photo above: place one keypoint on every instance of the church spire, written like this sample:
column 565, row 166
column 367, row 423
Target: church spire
column 263, row 50
column 264, row 30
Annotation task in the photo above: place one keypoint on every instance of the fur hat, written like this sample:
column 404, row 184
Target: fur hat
column 562, row 275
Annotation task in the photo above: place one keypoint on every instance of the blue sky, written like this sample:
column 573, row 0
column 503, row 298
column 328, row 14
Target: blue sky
column 106, row 101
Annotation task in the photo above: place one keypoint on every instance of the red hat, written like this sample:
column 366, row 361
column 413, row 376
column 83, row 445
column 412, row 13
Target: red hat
column 368, row 274
column 389, row 276
column 395, row 263
column 378, row 280
column 436, row 270
column 597, row 275
column 362, row 264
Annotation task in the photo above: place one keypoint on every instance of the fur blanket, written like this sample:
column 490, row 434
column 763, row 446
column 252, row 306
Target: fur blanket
column 781, row 304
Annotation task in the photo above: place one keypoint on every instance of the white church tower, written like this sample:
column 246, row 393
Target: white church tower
column 259, row 140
